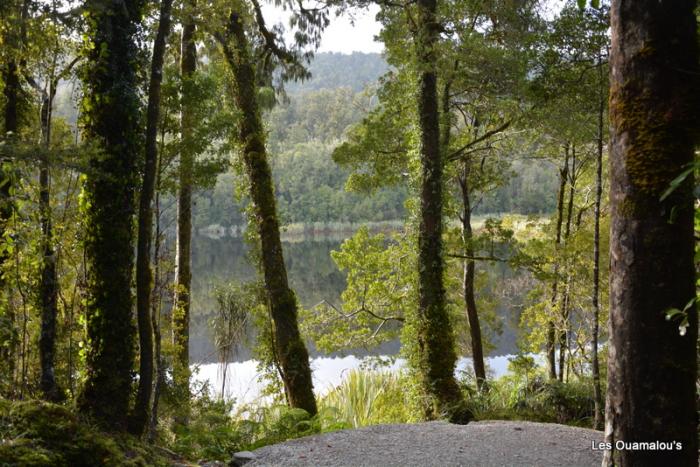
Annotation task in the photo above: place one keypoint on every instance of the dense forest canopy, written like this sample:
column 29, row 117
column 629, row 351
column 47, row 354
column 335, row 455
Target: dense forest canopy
column 185, row 181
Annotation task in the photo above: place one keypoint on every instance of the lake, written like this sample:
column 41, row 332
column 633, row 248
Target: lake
column 217, row 259
column 243, row 384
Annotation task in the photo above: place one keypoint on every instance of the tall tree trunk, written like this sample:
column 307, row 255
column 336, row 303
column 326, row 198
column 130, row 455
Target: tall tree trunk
column 565, row 302
column 144, row 277
column 654, row 101
column 551, row 327
column 436, row 351
column 183, row 258
column 290, row 348
column 112, row 120
column 156, row 306
column 595, row 362
column 48, row 285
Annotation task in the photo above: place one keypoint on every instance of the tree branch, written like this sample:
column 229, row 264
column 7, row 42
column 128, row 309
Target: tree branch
column 456, row 155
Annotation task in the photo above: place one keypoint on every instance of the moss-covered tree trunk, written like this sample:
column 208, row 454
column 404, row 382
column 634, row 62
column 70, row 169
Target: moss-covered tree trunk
column 289, row 346
column 435, row 346
column 11, row 92
column 112, row 120
column 144, row 276
column 183, row 258
column 654, row 102
column 6, row 206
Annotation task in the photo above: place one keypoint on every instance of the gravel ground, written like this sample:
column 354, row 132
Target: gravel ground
column 483, row 444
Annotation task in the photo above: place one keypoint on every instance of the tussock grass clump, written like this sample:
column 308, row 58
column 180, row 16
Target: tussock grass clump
column 368, row 398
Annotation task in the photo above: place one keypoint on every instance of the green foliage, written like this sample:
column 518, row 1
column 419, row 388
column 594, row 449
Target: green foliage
column 47, row 435
column 215, row 430
column 211, row 433
column 380, row 278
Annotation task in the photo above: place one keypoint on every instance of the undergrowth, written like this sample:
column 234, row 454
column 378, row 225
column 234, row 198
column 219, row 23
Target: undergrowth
column 40, row 434
column 527, row 394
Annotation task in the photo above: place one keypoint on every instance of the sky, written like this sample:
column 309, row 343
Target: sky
column 341, row 35
column 346, row 36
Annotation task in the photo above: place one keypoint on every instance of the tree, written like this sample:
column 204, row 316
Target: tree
column 111, row 111
column 183, row 258
column 437, row 357
column 289, row 347
column 48, row 285
column 144, row 275
column 654, row 99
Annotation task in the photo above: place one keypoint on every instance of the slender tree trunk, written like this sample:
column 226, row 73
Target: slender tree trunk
column 436, row 356
column 112, row 120
column 290, row 348
column 144, row 277
column 183, row 258
column 654, row 103
column 468, row 282
column 551, row 327
column 48, row 285
column 595, row 362
column 565, row 300
column 469, row 264
column 156, row 309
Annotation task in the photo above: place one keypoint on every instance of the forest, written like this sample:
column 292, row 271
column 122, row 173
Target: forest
column 496, row 217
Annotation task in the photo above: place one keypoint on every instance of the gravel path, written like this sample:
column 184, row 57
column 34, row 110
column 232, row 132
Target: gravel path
column 482, row 444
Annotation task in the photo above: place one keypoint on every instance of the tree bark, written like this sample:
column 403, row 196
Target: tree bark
column 436, row 351
column 144, row 276
column 595, row 361
column 289, row 346
column 653, row 114
column 183, row 258
column 551, row 328
column 112, row 120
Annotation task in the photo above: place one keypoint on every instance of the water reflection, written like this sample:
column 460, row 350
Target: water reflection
column 314, row 277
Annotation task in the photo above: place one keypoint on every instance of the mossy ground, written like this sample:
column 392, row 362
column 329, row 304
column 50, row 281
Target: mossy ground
column 35, row 433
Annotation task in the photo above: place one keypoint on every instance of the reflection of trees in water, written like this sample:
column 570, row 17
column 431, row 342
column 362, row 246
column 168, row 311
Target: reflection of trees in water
column 312, row 275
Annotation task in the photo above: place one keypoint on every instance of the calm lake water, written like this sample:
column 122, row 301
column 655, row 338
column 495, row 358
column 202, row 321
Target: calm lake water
column 314, row 277
column 243, row 383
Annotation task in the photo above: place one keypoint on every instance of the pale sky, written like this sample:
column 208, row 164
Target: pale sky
column 340, row 35
column 345, row 36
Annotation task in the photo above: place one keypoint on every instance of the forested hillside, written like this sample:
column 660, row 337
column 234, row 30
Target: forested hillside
column 305, row 128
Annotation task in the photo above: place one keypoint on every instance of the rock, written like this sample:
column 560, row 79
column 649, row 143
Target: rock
column 212, row 464
column 242, row 458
